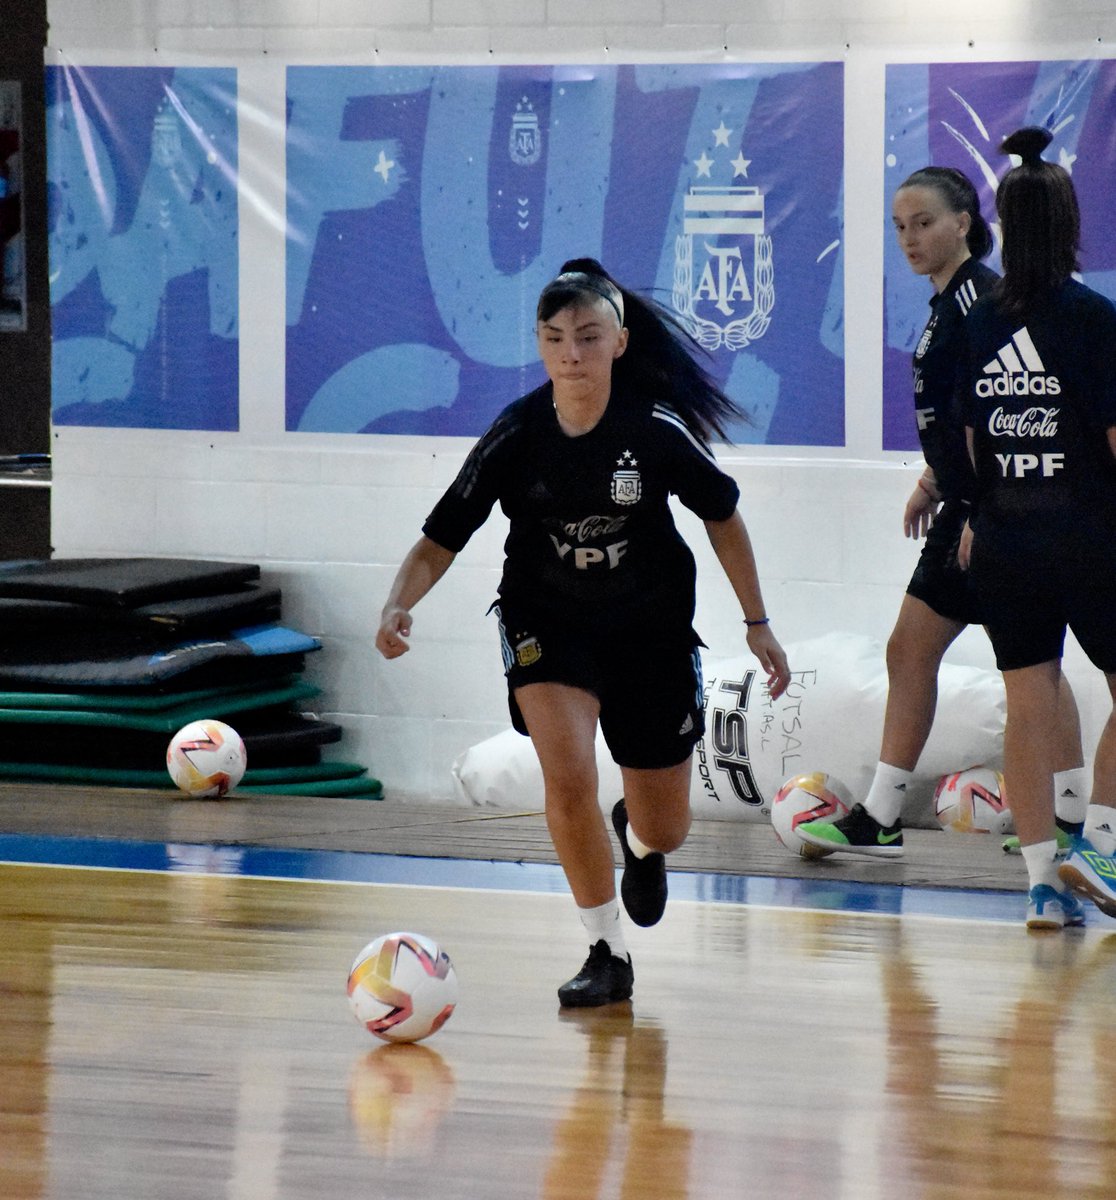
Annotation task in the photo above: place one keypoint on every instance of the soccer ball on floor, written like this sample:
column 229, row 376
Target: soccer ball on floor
column 973, row 801
column 402, row 987
column 206, row 758
column 814, row 797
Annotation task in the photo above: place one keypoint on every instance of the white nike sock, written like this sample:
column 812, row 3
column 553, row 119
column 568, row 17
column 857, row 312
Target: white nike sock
column 604, row 922
column 1071, row 795
column 1041, row 865
column 1100, row 828
column 887, row 793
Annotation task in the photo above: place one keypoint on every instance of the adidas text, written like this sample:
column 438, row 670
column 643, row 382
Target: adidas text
column 1021, row 384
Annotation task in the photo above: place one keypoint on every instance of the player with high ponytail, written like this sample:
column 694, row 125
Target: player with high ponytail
column 597, row 596
column 943, row 235
column 1041, row 424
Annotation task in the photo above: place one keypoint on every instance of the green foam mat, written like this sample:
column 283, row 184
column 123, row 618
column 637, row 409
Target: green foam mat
column 168, row 720
column 309, row 780
column 132, row 701
column 368, row 789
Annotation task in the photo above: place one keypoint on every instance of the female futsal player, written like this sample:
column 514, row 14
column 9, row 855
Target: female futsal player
column 1041, row 417
column 596, row 601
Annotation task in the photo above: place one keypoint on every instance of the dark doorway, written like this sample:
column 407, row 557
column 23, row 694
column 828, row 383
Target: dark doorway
column 24, row 286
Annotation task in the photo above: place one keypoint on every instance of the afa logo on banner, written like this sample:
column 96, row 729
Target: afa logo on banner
column 956, row 115
column 427, row 208
column 142, row 167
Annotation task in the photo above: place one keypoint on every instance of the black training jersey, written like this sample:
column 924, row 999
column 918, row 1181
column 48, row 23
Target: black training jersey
column 1041, row 396
column 592, row 541
column 939, row 366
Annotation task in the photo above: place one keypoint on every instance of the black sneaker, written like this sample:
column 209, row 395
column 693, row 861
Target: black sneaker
column 603, row 979
column 858, row 833
column 643, row 886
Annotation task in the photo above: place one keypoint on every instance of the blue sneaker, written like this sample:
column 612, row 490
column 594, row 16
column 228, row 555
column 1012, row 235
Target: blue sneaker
column 1088, row 873
column 1047, row 908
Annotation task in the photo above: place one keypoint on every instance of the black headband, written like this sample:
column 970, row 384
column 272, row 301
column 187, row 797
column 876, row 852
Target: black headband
column 598, row 284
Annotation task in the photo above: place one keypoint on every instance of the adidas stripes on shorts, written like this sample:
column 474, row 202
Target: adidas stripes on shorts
column 650, row 691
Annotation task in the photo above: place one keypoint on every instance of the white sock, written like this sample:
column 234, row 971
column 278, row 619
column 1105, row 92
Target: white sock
column 1041, row 866
column 635, row 845
column 1071, row 795
column 604, row 922
column 887, row 793
column 1100, row 828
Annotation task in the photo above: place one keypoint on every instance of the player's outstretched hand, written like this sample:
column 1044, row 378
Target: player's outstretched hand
column 765, row 646
column 395, row 629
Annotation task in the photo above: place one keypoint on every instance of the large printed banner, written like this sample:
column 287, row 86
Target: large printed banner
column 427, row 207
column 142, row 167
column 957, row 114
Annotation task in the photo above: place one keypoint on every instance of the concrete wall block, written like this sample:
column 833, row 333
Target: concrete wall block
column 80, row 517
column 380, row 14
column 649, row 13
column 463, row 44
column 209, row 520
column 377, row 466
column 491, row 13
column 538, row 44
column 233, row 459
column 801, row 40
column 721, row 11
column 693, row 42
column 321, row 522
column 215, row 42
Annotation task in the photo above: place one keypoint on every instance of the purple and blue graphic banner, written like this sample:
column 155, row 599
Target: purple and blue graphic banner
column 142, row 166
column 956, row 115
column 427, row 208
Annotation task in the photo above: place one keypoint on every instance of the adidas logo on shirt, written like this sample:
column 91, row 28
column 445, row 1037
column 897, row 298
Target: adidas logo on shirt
column 1017, row 370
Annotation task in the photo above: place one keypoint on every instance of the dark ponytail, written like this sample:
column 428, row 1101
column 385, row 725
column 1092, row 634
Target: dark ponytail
column 1040, row 222
column 959, row 195
column 661, row 360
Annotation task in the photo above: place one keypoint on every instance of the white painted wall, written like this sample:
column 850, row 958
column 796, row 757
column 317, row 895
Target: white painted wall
column 329, row 517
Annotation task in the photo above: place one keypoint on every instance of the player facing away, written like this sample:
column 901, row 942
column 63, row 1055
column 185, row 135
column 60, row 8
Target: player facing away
column 597, row 595
column 942, row 233
column 1041, row 418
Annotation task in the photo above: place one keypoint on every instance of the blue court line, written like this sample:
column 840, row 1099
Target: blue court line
column 353, row 867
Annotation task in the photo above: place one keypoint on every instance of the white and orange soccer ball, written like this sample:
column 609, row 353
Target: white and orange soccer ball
column 973, row 801
column 206, row 758
column 402, row 987
column 814, row 797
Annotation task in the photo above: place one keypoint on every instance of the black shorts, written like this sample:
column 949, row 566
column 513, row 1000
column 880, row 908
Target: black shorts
column 1030, row 598
column 650, row 688
column 937, row 580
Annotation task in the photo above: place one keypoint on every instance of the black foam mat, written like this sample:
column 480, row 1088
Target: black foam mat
column 156, row 623
column 122, row 582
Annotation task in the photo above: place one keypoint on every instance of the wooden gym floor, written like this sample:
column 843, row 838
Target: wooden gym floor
column 180, row 1034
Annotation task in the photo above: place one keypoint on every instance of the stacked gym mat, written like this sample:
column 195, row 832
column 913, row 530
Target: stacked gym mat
column 102, row 660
